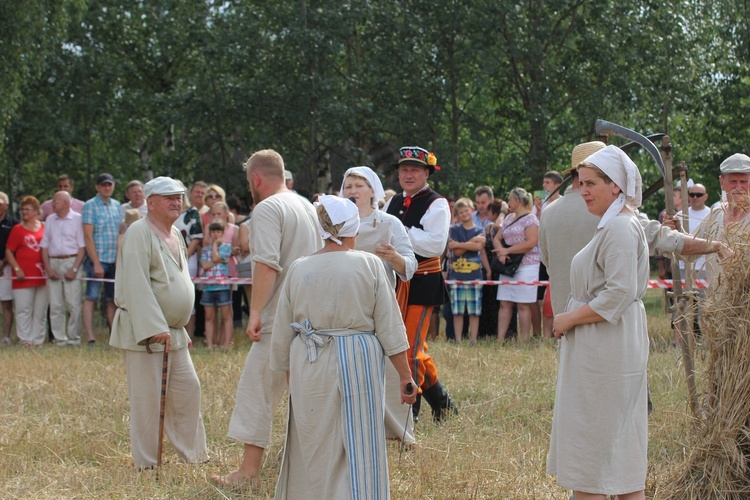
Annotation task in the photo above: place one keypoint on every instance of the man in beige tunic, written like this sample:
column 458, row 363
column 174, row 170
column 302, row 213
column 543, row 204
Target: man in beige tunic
column 282, row 229
column 154, row 298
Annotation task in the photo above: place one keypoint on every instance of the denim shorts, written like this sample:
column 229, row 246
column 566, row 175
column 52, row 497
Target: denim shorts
column 216, row 298
column 93, row 287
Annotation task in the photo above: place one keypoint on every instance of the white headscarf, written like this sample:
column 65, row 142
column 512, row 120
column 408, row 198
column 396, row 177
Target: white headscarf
column 624, row 173
column 339, row 210
column 371, row 178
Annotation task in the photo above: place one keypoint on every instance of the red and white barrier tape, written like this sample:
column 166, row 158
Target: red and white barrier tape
column 249, row 281
column 651, row 283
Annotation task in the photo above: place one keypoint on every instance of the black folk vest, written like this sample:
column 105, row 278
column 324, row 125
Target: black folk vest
column 425, row 289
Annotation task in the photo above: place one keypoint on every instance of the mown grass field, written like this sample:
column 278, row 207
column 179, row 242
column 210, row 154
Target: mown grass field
column 64, row 424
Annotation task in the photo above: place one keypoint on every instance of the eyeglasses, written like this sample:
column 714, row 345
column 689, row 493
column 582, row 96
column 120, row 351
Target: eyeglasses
column 696, row 195
column 213, row 195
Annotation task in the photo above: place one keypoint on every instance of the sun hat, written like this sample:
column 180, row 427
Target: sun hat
column 581, row 152
column 132, row 215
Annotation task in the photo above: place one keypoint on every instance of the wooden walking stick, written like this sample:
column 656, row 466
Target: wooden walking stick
column 162, row 404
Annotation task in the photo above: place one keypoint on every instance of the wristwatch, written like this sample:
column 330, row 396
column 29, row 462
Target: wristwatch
column 16, row 269
column 75, row 270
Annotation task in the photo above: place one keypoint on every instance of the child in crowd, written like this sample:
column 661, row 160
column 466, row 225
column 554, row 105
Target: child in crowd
column 131, row 215
column 465, row 241
column 214, row 260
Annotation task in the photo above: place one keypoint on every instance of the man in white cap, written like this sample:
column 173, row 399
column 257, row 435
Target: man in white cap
column 283, row 228
column 154, row 298
column 735, row 211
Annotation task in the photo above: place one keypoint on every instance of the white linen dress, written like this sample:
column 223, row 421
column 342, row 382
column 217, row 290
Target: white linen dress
column 600, row 429
column 335, row 446
column 399, row 421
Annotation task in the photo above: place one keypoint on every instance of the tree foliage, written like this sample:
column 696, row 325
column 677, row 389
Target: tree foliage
column 500, row 90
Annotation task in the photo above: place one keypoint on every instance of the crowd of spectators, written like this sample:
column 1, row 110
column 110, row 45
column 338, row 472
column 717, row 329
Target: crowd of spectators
column 58, row 259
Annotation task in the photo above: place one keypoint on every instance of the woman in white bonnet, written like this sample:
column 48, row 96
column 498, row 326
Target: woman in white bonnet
column 335, row 321
column 599, row 436
column 384, row 235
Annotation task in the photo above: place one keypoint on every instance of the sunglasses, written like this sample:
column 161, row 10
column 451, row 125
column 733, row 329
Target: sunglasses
column 696, row 195
column 214, row 195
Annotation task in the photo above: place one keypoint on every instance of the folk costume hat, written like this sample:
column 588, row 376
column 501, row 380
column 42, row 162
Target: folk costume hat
column 337, row 218
column 736, row 164
column 414, row 155
column 372, row 179
column 624, row 173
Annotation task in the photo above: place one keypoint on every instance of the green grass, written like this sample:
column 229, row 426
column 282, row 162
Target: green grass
column 64, row 424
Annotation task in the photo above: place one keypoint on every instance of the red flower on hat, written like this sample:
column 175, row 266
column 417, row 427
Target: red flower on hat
column 421, row 155
column 408, row 153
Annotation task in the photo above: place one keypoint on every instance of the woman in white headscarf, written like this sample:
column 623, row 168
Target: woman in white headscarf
column 336, row 318
column 379, row 233
column 384, row 235
column 599, row 436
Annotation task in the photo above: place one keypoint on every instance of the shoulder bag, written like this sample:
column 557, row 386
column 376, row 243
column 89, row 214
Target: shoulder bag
column 512, row 261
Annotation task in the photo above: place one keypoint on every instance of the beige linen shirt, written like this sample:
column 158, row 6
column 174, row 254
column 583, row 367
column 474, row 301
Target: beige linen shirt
column 153, row 291
column 283, row 228
column 713, row 229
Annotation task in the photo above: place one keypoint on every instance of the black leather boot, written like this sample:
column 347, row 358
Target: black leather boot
column 440, row 402
column 415, row 408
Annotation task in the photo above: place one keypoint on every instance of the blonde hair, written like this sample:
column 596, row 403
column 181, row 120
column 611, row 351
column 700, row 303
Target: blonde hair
column 462, row 203
column 220, row 204
column 218, row 189
column 267, row 163
column 523, row 197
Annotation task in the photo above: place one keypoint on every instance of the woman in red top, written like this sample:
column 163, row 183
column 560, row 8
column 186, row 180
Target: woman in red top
column 24, row 255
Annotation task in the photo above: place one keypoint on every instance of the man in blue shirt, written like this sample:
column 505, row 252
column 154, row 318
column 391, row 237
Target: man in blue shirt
column 101, row 224
column 483, row 196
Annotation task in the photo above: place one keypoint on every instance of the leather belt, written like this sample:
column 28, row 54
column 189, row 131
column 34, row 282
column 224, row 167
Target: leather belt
column 63, row 256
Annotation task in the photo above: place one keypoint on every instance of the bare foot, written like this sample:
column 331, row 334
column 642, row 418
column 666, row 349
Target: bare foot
column 236, row 479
